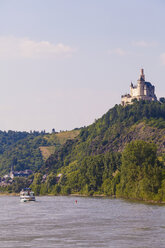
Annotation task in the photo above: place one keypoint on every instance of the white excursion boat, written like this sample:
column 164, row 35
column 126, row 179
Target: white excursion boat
column 27, row 195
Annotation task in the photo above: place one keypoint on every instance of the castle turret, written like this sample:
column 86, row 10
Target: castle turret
column 131, row 88
column 142, row 76
column 140, row 83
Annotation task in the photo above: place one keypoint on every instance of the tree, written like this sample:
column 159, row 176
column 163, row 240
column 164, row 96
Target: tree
column 19, row 183
column 51, row 180
column 36, row 185
column 140, row 171
column 162, row 99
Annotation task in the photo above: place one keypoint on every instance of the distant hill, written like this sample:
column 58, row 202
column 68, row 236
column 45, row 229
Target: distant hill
column 26, row 150
column 119, row 126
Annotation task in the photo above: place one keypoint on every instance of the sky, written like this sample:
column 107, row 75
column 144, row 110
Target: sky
column 65, row 63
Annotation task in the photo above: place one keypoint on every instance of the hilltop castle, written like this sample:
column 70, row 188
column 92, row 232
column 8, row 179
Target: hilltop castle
column 142, row 91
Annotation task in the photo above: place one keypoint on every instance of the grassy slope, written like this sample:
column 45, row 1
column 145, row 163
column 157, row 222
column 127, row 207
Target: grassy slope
column 62, row 137
column 56, row 140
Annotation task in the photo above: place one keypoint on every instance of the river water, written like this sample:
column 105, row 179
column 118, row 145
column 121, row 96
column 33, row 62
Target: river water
column 91, row 222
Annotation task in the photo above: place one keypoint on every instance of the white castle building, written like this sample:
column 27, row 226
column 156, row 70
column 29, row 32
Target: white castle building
column 142, row 91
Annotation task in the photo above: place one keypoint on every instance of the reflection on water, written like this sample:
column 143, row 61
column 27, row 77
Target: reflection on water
column 91, row 222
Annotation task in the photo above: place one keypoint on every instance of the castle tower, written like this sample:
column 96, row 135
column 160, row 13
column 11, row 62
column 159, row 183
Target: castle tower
column 142, row 91
column 140, row 83
column 142, row 76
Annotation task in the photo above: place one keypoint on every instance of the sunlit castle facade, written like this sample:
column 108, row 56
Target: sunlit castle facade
column 142, row 91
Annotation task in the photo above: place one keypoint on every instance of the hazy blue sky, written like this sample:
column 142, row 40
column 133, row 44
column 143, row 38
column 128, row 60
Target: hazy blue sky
column 64, row 63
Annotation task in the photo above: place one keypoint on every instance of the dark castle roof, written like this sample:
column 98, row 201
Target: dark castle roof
column 148, row 84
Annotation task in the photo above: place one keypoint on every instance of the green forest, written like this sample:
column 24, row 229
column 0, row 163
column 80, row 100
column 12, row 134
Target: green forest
column 122, row 154
column 24, row 150
column 21, row 150
column 136, row 173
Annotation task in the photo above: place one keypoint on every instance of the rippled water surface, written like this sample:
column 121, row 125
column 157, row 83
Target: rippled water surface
column 91, row 222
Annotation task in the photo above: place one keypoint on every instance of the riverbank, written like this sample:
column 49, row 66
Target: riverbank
column 117, row 197
column 111, row 197
column 8, row 194
column 94, row 196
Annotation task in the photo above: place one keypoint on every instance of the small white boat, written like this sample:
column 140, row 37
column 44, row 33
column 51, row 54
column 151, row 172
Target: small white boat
column 27, row 195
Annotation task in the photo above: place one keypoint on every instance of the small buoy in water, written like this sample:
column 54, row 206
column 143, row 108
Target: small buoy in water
column 76, row 201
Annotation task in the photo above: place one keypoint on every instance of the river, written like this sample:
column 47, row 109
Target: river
column 58, row 221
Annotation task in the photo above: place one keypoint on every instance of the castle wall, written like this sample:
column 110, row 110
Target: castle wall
column 144, row 91
column 134, row 92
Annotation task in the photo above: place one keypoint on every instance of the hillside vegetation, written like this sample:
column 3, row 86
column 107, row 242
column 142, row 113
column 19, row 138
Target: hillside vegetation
column 119, row 126
column 25, row 150
column 122, row 154
column 95, row 162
